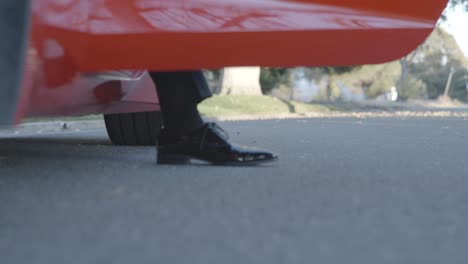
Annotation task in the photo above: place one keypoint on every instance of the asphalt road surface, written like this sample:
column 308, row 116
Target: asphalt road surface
column 344, row 191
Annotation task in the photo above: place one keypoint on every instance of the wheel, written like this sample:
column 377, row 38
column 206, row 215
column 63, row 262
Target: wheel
column 133, row 129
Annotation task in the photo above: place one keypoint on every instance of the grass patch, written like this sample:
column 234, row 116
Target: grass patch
column 230, row 105
column 254, row 105
column 63, row 118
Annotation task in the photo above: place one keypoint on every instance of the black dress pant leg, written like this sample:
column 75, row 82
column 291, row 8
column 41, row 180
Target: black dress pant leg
column 179, row 94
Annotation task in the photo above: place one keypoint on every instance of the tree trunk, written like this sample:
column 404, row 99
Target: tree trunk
column 404, row 73
column 241, row 81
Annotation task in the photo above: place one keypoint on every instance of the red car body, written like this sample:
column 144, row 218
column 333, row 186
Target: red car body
column 76, row 47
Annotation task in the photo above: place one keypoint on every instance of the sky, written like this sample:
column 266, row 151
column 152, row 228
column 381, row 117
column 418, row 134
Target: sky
column 457, row 25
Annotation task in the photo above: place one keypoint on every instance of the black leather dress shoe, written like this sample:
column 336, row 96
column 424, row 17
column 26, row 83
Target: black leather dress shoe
column 208, row 143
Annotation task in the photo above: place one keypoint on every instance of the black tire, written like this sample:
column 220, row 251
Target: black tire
column 133, row 129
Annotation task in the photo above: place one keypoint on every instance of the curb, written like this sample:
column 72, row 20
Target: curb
column 53, row 127
column 59, row 127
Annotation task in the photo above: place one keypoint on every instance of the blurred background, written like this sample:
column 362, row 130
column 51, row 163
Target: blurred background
column 434, row 75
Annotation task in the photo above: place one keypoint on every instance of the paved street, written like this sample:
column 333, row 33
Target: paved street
column 345, row 190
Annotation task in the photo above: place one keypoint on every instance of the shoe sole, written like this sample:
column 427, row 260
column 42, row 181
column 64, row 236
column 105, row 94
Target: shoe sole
column 177, row 159
column 245, row 163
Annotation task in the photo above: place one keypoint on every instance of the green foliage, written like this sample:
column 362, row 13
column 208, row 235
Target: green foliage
column 431, row 64
column 383, row 80
column 338, row 70
column 440, row 41
column 425, row 76
column 333, row 91
column 237, row 105
column 458, row 88
column 411, row 87
column 271, row 78
column 435, row 75
column 380, row 86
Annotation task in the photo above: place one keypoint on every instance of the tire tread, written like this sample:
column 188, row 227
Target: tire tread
column 133, row 129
